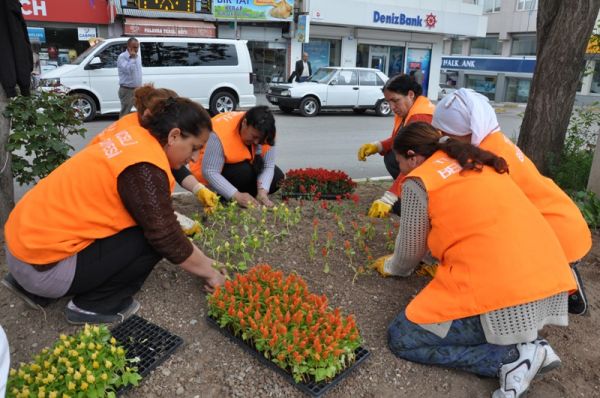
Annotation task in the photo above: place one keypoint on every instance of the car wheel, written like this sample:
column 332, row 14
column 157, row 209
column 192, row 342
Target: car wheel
column 222, row 101
column 84, row 106
column 382, row 108
column 309, row 107
column 359, row 111
column 286, row 109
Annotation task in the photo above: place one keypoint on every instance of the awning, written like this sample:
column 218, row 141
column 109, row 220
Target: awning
column 165, row 27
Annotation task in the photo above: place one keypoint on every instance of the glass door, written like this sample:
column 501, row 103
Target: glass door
column 378, row 57
column 268, row 63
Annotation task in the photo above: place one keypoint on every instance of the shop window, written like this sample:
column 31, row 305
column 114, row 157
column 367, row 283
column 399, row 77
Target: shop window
column 517, row 90
column 491, row 6
column 485, row 85
column 362, row 55
column 368, row 78
column 523, row 45
column 527, row 5
column 456, row 47
column 396, row 61
column 109, row 55
column 485, row 46
column 323, row 52
column 347, row 78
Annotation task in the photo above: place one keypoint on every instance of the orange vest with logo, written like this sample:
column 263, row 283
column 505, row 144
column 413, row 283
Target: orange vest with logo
column 555, row 205
column 131, row 119
column 495, row 248
column 79, row 202
column 227, row 128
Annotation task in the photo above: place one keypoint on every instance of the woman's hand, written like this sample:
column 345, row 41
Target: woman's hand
column 263, row 197
column 217, row 279
column 244, row 199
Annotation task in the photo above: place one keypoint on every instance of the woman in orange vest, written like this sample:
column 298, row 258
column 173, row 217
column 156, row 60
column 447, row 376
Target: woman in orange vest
column 468, row 116
column 409, row 105
column 98, row 224
column 144, row 99
column 239, row 160
column 503, row 274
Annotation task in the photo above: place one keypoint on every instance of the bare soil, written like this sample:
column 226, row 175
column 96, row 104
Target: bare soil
column 209, row 365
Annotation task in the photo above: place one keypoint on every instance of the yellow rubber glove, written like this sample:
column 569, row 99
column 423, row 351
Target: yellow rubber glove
column 379, row 209
column 189, row 226
column 427, row 270
column 205, row 196
column 379, row 265
column 367, row 150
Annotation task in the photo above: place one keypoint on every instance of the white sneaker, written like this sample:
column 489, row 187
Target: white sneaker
column 516, row 376
column 552, row 360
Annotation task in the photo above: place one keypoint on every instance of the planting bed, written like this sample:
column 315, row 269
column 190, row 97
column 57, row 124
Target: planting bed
column 209, row 365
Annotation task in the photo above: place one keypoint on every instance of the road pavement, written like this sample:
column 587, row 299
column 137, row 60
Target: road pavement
column 330, row 140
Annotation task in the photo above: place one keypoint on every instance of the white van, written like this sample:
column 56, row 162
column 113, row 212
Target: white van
column 217, row 73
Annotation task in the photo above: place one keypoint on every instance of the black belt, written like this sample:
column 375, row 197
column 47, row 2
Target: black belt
column 129, row 88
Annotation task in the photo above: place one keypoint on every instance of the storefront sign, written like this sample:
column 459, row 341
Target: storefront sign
column 37, row 34
column 264, row 10
column 302, row 29
column 168, row 5
column 517, row 65
column 84, row 34
column 79, row 11
column 157, row 27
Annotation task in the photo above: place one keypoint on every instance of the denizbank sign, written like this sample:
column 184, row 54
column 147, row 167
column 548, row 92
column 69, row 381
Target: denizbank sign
column 398, row 19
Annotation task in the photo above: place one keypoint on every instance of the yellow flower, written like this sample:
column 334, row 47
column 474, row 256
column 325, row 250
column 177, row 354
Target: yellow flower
column 94, row 355
column 21, row 373
column 120, row 351
column 41, row 394
column 96, row 329
column 73, row 353
column 66, row 396
column 82, row 369
column 112, row 349
column 63, row 337
column 71, row 385
column 77, row 376
column 98, row 346
column 67, row 343
column 57, row 351
column 46, row 364
column 108, row 364
column 104, row 376
column 80, row 345
column 91, row 346
column 69, row 370
column 53, row 370
column 80, row 359
column 113, row 341
column 91, row 378
column 50, row 377
column 53, row 394
column 13, row 372
column 84, row 386
column 95, row 365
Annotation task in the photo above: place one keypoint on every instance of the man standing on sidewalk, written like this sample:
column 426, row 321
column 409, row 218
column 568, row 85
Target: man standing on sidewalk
column 129, row 65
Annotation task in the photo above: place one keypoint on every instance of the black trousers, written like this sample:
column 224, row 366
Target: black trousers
column 391, row 164
column 243, row 176
column 111, row 270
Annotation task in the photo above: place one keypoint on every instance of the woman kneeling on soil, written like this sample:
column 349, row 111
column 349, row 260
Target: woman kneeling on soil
column 503, row 274
column 98, row 224
column 239, row 160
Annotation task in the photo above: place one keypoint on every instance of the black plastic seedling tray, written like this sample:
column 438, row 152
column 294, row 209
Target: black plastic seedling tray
column 146, row 341
column 314, row 389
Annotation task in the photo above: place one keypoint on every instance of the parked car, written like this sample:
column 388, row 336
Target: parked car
column 217, row 73
column 358, row 89
column 444, row 90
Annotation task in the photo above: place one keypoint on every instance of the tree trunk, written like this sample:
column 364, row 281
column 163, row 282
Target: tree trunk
column 7, row 192
column 563, row 30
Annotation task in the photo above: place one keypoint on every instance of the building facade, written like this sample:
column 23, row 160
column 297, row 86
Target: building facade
column 501, row 64
column 394, row 36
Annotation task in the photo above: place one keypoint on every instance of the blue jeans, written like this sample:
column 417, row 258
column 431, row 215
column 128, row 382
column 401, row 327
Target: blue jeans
column 464, row 347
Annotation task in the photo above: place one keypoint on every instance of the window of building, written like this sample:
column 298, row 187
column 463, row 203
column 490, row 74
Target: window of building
column 456, row 47
column 323, row 52
column 491, row 5
column 527, row 5
column 523, row 44
column 485, row 45
column 517, row 90
column 485, row 85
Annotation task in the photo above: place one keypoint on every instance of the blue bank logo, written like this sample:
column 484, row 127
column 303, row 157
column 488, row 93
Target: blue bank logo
column 397, row 19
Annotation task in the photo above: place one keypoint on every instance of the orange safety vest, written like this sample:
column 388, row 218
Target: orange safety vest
column 227, row 128
column 555, row 205
column 79, row 202
column 495, row 248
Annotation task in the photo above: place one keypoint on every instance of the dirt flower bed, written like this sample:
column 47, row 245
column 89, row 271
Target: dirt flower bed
column 209, row 365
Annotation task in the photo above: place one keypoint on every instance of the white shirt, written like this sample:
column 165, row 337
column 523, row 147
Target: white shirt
column 305, row 71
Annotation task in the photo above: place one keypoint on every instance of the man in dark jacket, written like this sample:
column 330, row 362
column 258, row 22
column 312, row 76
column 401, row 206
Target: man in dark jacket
column 303, row 69
column 16, row 48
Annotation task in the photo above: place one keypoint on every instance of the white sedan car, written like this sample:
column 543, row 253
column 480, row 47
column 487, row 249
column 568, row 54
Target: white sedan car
column 358, row 89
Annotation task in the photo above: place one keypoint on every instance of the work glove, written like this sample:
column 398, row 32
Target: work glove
column 427, row 270
column 368, row 150
column 382, row 206
column 205, row 196
column 189, row 226
column 379, row 265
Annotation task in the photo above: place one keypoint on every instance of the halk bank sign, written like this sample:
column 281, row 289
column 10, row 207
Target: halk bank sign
column 87, row 11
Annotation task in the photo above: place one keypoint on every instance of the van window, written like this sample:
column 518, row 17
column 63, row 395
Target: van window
column 188, row 54
column 109, row 55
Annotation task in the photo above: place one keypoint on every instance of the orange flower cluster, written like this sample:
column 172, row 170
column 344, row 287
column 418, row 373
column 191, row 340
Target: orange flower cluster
column 293, row 327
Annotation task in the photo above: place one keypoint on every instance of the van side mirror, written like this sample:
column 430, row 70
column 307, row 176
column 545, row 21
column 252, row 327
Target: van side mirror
column 95, row 63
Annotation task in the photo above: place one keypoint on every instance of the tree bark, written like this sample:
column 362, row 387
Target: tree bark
column 7, row 191
column 563, row 30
